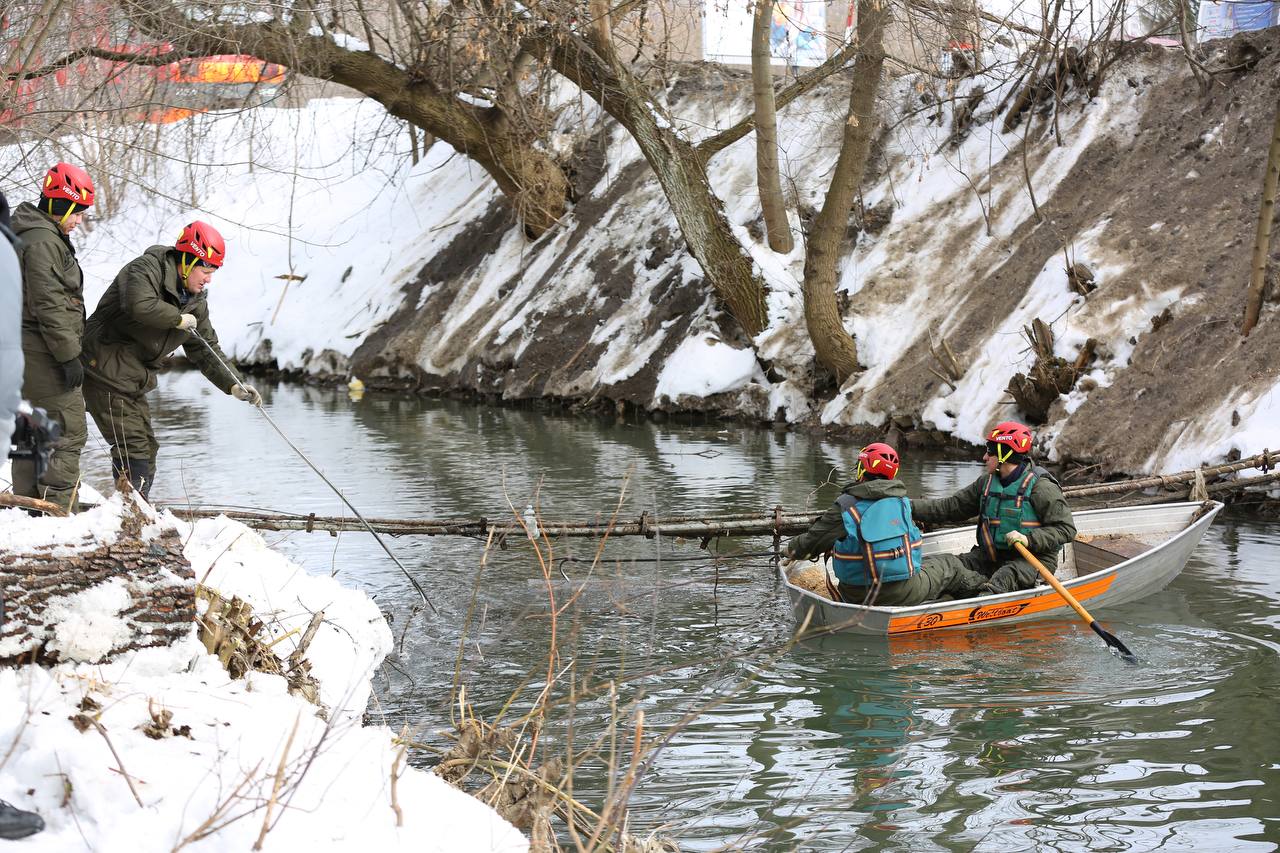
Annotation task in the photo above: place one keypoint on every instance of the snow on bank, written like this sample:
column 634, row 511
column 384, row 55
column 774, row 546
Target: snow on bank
column 335, row 230
column 1256, row 417
column 323, row 229
column 216, row 773
column 703, row 366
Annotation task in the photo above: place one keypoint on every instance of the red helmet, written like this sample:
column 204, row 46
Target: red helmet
column 204, row 242
column 1008, row 438
column 879, row 459
column 68, row 182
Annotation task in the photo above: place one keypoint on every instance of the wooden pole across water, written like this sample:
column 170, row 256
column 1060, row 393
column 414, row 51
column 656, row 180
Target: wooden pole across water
column 777, row 523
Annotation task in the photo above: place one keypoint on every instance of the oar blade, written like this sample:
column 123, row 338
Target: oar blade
column 1118, row 648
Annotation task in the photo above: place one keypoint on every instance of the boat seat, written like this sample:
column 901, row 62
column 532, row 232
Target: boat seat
column 1102, row 551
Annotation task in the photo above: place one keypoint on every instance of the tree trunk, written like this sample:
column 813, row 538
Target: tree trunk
column 767, row 176
column 834, row 347
column 680, row 170
column 717, row 142
column 1262, row 242
column 159, row 600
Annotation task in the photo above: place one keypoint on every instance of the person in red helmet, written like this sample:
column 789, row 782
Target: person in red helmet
column 873, row 543
column 156, row 304
column 52, row 326
column 1015, row 501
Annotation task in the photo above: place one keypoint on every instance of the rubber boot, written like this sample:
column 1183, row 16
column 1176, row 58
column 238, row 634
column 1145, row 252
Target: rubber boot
column 16, row 823
column 139, row 474
column 24, row 478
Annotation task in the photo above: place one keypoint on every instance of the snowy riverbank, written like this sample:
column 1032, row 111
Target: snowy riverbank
column 346, row 256
column 230, row 746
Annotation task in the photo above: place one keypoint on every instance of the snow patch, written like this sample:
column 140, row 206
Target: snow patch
column 1194, row 441
column 219, row 753
column 704, row 365
column 88, row 625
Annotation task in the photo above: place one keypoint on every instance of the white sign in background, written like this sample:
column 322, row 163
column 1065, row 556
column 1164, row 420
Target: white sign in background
column 796, row 36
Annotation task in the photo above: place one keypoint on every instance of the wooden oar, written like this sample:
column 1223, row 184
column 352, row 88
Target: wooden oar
column 1110, row 639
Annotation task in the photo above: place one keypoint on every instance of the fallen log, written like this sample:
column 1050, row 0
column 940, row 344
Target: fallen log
column 10, row 500
column 1212, row 489
column 647, row 526
column 91, row 600
column 777, row 523
column 1265, row 460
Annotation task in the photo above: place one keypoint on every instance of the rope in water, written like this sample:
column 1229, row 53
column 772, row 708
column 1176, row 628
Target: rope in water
column 327, row 481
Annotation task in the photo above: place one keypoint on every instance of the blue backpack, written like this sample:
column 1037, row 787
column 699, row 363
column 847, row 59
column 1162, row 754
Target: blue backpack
column 881, row 543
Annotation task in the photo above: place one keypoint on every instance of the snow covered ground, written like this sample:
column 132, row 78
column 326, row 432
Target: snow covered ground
column 205, row 783
column 336, row 236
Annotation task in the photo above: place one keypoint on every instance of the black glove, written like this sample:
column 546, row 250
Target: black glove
column 72, row 373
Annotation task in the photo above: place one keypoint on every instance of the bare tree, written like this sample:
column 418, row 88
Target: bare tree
column 1262, row 242
column 834, row 346
column 486, row 76
column 476, row 74
column 767, row 176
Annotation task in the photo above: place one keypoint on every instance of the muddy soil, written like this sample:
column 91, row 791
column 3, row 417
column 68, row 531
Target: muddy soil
column 1180, row 198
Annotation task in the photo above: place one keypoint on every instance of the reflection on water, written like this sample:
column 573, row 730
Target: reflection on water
column 1023, row 738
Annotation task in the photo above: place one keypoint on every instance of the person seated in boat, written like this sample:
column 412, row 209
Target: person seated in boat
column 873, row 543
column 1015, row 501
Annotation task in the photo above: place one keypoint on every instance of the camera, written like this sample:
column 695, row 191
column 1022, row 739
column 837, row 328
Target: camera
column 34, row 435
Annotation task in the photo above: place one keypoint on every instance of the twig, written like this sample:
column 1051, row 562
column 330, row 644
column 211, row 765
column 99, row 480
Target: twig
column 397, row 768
column 211, row 824
column 276, row 785
column 127, row 778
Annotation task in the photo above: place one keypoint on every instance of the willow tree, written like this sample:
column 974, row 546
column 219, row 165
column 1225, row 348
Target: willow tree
column 479, row 74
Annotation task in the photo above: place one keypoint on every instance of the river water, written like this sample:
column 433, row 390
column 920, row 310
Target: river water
column 1020, row 738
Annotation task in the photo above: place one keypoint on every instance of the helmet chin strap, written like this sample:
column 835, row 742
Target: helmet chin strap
column 65, row 216
column 186, row 270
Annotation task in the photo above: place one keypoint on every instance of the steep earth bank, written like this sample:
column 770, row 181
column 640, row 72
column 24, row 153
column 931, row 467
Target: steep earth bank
column 1153, row 185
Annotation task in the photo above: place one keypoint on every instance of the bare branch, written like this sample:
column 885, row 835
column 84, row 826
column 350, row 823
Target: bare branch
column 97, row 53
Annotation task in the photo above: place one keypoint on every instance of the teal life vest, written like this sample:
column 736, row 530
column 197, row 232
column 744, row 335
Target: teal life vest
column 1005, row 509
column 881, row 543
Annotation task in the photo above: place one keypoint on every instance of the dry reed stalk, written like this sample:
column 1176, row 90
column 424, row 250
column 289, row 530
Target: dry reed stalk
column 544, row 564
column 397, row 768
column 276, row 785
column 127, row 778
column 214, row 821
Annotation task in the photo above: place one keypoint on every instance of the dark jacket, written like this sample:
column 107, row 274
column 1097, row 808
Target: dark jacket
column 135, row 327
column 11, row 360
column 1057, row 527
column 53, row 286
column 829, row 528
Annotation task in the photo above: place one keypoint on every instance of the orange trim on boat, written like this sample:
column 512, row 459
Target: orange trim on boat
column 998, row 610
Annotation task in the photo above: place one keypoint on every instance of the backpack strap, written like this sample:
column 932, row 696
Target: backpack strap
column 1042, row 471
column 1025, row 487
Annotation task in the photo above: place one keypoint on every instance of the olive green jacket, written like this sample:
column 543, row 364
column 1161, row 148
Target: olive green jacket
column 52, row 286
column 1056, row 525
column 829, row 528
column 135, row 327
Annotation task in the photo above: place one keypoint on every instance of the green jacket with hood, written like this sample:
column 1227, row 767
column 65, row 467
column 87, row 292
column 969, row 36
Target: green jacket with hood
column 829, row 528
column 52, row 286
column 1056, row 529
column 135, row 327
